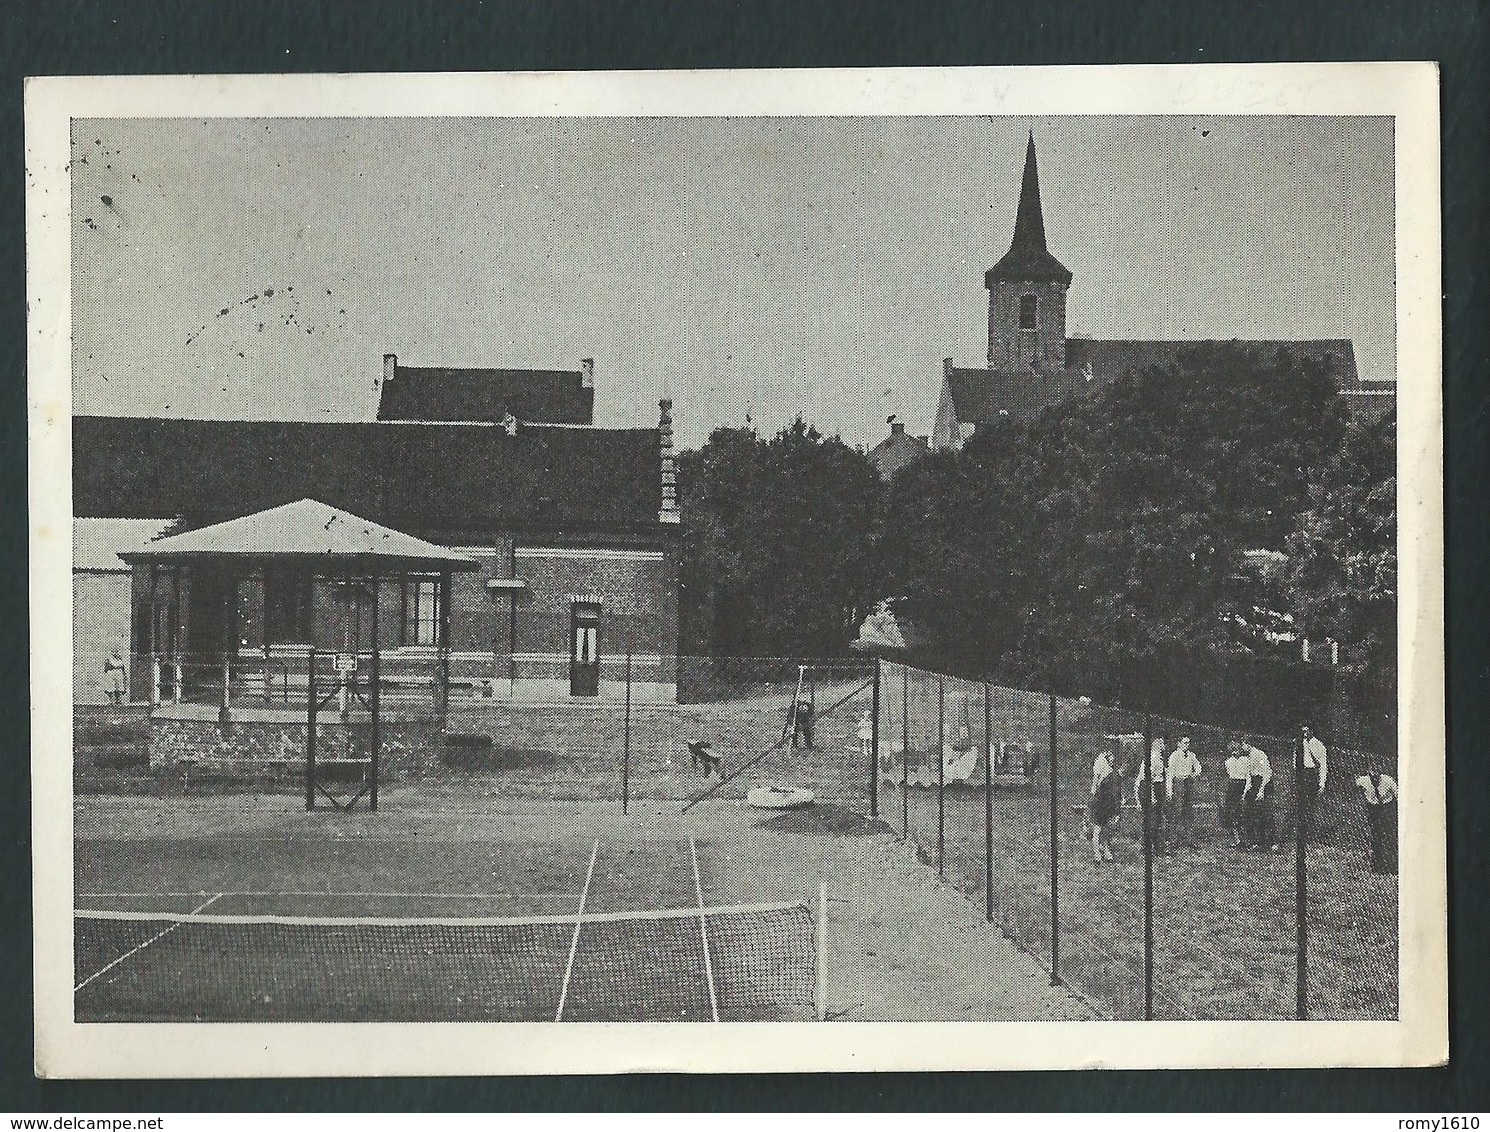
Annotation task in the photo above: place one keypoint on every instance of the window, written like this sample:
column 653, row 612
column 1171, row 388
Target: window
column 1028, row 309
column 422, row 611
column 287, row 606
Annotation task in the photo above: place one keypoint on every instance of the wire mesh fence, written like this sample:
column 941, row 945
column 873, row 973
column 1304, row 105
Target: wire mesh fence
column 1163, row 868
column 644, row 727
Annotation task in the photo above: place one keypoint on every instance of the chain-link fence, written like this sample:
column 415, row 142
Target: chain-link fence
column 640, row 727
column 1164, row 869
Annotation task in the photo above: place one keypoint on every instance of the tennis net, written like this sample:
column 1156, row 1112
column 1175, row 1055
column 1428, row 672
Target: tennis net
column 754, row 962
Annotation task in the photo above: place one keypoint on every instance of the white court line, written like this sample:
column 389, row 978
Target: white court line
column 574, row 942
column 160, row 935
column 703, row 928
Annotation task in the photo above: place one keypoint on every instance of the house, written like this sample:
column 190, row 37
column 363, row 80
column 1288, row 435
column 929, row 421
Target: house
column 896, row 451
column 575, row 529
column 535, row 396
column 1033, row 363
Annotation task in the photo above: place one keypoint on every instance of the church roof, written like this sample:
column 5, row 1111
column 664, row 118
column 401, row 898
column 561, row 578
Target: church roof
column 413, row 477
column 416, row 393
column 1028, row 258
column 1111, row 358
column 983, row 395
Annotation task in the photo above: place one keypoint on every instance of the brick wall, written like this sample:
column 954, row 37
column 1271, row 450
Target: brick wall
column 273, row 743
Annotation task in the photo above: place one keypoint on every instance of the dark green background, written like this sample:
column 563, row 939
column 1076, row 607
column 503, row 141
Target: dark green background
column 245, row 36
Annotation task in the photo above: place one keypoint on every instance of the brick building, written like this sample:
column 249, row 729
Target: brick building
column 575, row 528
column 1032, row 363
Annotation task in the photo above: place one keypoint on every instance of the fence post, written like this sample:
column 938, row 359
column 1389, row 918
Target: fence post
column 941, row 775
column 988, row 802
column 626, row 746
column 1148, row 868
column 905, row 753
column 310, row 732
column 874, row 747
column 155, row 680
column 1300, row 886
column 1055, row 900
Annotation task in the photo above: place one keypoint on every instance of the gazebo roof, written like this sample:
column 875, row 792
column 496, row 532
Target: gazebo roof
column 307, row 532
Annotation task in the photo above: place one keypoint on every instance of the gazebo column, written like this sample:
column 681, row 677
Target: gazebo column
column 444, row 642
column 149, row 643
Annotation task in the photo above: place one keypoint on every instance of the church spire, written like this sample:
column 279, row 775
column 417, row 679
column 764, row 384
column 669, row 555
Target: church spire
column 1028, row 257
column 1029, row 222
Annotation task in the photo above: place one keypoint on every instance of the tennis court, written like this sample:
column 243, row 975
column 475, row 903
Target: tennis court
column 311, row 929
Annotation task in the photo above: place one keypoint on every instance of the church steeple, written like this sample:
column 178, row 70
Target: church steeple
column 1027, row 288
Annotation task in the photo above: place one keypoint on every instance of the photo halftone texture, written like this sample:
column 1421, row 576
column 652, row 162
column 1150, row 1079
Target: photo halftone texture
column 660, row 967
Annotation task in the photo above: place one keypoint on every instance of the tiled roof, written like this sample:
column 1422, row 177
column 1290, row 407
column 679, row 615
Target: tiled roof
column 540, row 395
column 410, row 477
column 303, row 530
column 981, row 395
column 1114, row 357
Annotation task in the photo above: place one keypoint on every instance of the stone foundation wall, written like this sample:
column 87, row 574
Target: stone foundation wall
column 273, row 743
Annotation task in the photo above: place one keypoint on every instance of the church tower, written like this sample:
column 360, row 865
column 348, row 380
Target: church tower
column 1027, row 290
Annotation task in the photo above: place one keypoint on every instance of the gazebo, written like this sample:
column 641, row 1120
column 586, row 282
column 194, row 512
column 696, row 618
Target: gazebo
column 309, row 541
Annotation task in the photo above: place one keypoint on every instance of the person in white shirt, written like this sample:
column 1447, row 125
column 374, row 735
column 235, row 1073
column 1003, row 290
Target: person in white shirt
column 1316, row 771
column 1381, row 813
column 1151, row 802
column 1258, row 800
column 1180, row 777
column 1232, row 805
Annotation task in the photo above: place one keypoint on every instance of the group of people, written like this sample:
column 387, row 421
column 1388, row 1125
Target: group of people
column 1164, row 790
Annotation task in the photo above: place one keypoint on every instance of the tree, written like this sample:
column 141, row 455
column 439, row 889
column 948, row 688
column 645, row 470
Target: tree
column 1342, row 574
column 779, row 541
column 1096, row 546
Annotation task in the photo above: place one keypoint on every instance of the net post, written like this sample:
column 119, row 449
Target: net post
column 874, row 746
column 310, row 731
column 1300, row 888
column 374, row 703
column 820, row 980
column 1148, row 867
column 626, row 744
column 1055, row 897
column 905, row 753
column 941, row 775
column 988, row 802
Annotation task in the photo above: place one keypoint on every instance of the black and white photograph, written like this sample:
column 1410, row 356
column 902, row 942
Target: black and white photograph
column 772, row 549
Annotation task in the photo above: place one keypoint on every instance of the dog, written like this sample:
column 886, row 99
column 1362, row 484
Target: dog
column 704, row 760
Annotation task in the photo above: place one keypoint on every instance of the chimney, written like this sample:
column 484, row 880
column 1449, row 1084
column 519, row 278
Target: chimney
column 587, row 373
column 946, row 367
column 669, row 512
column 390, row 367
column 897, row 428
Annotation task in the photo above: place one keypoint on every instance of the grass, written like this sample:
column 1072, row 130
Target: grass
column 1224, row 922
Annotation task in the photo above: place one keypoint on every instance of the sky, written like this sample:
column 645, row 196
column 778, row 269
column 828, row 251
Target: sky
column 744, row 267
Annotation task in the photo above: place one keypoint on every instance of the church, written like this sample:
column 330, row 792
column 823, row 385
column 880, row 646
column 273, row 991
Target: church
column 1033, row 364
